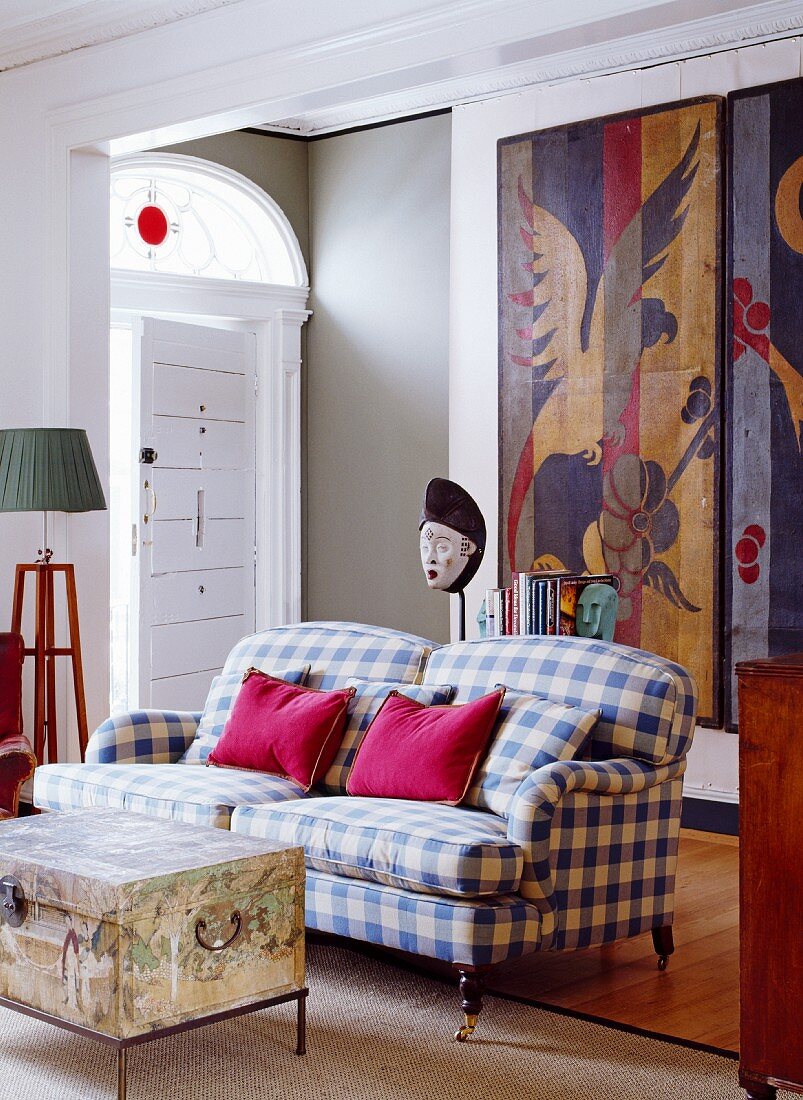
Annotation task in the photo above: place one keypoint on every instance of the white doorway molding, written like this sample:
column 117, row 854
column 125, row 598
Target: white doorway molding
column 275, row 313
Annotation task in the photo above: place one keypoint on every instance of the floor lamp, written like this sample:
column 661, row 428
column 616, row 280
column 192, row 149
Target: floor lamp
column 49, row 470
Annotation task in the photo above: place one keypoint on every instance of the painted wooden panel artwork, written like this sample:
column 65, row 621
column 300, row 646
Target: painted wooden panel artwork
column 609, row 365
column 764, row 467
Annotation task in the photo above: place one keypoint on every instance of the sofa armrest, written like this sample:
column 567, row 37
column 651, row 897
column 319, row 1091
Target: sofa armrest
column 143, row 737
column 17, row 763
column 535, row 802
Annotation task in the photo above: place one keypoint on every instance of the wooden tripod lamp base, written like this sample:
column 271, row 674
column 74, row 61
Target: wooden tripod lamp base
column 45, row 652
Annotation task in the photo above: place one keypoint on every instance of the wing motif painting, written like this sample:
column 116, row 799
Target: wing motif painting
column 609, row 367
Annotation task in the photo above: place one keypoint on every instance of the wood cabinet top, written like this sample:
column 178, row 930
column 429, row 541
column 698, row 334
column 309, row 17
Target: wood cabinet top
column 790, row 664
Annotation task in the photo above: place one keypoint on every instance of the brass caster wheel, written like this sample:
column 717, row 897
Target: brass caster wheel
column 467, row 1030
column 662, row 961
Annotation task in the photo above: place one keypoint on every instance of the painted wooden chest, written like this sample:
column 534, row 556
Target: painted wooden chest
column 127, row 925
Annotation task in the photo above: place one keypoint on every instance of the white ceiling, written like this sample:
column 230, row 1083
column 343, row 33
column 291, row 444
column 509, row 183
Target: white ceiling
column 489, row 47
column 33, row 30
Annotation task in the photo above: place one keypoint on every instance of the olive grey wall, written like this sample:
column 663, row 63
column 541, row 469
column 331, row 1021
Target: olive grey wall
column 377, row 371
column 371, row 212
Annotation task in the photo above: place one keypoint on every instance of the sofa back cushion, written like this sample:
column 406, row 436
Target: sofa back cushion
column 334, row 651
column 647, row 704
column 364, row 707
column 219, row 704
column 530, row 733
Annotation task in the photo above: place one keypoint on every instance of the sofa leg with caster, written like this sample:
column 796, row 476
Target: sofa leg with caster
column 664, row 944
column 472, row 986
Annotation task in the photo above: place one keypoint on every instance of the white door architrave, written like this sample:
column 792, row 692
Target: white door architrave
column 275, row 314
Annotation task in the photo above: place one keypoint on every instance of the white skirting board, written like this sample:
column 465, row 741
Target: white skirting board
column 713, row 766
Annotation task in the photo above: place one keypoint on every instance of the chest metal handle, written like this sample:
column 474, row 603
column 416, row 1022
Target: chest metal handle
column 12, row 905
column 236, row 919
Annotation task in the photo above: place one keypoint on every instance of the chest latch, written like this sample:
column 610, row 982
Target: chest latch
column 13, row 907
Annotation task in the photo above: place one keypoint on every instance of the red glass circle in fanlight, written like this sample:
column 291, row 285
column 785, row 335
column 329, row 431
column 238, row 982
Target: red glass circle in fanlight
column 152, row 225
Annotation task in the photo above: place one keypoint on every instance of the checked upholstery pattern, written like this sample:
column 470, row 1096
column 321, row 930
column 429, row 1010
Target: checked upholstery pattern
column 199, row 796
column 530, row 732
column 475, row 932
column 143, row 737
column 647, row 704
column 335, row 651
column 601, row 845
column 412, row 845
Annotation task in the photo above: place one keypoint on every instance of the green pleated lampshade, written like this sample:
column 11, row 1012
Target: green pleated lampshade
column 48, row 470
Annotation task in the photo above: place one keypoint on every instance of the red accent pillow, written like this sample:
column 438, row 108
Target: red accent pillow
column 283, row 729
column 428, row 754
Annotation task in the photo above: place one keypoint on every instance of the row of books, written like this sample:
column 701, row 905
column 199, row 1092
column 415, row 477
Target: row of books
column 538, row 602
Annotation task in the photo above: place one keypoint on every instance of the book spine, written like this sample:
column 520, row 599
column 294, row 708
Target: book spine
column 490, row 613
column 551, row 616
column 541, row 619
column 514, row 604
column 499, row 620
column 530, row 604
column 508, row 611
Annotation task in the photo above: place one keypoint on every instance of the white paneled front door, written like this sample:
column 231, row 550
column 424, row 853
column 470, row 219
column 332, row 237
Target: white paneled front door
column 196, row 499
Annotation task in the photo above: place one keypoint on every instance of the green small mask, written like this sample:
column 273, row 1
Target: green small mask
column 596, row 612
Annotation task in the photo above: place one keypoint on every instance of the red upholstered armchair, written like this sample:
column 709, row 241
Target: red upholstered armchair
column 17, row 761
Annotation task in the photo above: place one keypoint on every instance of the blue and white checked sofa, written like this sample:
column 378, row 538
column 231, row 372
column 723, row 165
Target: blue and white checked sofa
column 585, row 854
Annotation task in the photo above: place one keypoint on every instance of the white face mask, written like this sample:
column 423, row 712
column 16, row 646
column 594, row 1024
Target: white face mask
column 444, row 554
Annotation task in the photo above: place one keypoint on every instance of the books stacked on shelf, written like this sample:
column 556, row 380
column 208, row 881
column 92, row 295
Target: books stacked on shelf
column 539, row 602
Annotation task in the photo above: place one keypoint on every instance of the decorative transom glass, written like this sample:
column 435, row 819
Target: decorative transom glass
column 182, row 216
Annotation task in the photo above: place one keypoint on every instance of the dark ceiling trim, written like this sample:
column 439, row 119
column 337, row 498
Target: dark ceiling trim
column 348, row 129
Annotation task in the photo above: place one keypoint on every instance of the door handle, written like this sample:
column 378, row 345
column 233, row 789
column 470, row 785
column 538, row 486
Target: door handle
column 149, row 514
column 200, row 521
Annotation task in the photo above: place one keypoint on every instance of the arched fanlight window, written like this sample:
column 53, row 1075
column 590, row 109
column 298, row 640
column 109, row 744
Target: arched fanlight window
column 179, row 215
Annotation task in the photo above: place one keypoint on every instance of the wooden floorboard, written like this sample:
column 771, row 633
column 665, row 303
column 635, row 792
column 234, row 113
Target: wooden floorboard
column 695, row 998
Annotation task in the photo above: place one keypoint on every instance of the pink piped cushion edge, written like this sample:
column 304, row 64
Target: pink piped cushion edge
column 427, row 754
column 283, row 729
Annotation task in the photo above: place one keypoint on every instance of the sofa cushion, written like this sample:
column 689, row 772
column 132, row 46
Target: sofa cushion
column 335, row 651
column 219, row 703
column 647, row 703
column 424, row 753
column 200, row 796
column 418, row 846
column 530, row 733
column 363, row 708
column 283, row 729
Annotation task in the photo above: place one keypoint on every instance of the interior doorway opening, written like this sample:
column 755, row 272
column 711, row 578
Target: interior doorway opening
column 189, row 241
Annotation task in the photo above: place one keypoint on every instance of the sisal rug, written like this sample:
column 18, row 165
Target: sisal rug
column 375, row 1031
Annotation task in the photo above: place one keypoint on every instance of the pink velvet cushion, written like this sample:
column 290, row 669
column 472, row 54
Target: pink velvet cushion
column 283, row 729
column 427, row 754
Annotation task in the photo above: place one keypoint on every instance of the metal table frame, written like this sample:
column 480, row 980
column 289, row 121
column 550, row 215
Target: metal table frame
column 122, row 1045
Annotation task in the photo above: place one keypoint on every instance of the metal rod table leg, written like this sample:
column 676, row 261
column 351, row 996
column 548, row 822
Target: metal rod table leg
column 301, row 1028
column 121, row 1073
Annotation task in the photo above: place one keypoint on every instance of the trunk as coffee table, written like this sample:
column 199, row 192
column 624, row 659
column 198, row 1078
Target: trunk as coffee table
column 126, row 928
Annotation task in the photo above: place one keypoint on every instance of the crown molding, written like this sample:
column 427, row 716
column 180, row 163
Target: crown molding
column 713, row 33
column 90, row 24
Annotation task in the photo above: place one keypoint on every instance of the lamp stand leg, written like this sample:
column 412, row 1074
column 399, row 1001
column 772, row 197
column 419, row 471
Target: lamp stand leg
column 40, row 698
column 50, row 645
column 77, row 663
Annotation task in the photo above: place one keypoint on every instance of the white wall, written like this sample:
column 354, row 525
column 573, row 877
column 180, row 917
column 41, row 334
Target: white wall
column 476, row 128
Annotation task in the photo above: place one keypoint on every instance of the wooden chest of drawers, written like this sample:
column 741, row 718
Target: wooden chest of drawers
column 771, row 874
